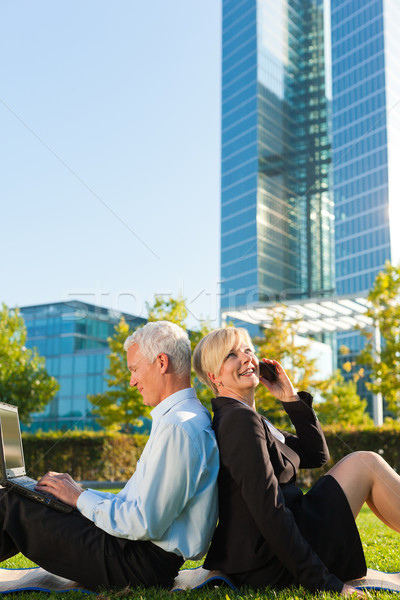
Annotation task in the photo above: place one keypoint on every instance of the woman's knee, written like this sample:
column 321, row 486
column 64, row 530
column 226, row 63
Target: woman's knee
column 358, row 466
column 368, row 458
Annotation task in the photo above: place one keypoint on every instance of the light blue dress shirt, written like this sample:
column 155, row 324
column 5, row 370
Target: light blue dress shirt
column 171, row 499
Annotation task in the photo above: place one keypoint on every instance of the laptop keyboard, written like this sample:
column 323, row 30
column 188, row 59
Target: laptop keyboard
column 26, row 482
column 29, row 483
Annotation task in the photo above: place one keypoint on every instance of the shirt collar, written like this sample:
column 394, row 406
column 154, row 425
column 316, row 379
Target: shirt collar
column 170, row 401
column 241, row 402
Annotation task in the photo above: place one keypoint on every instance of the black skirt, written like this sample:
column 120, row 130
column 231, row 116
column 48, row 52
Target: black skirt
column 325, row 520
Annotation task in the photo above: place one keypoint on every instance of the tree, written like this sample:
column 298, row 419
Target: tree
column 203, row 392
column 168, row 309
column 174, row 310
column 121, row 406
column 342, row 405
column 384, row 312
column 281, row 342
column 24, row 380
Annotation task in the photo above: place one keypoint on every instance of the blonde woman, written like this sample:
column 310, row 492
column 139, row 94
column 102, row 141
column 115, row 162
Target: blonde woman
column 269, row 533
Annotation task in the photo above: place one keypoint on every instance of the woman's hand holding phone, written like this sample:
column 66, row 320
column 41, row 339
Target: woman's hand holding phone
column 274, row 377
column 268, row 371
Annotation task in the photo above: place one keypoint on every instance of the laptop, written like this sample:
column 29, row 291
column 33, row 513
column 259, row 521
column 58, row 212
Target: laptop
column 13, row 474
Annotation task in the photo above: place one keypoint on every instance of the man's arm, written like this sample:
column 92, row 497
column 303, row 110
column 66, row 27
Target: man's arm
column 63, row 487
column 162, row 486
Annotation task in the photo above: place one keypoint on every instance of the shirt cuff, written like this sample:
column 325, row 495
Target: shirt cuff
column 87, row 502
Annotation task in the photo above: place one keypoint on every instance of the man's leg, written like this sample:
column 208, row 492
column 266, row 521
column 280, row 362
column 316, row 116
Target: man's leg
column 73, row 547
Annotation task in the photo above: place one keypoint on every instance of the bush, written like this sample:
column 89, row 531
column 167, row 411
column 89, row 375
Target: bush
column 384, row 440
column 98, row 456
column 87, row 455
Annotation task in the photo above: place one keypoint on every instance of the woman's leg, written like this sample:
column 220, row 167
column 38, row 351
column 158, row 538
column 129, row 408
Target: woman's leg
column 367, row 477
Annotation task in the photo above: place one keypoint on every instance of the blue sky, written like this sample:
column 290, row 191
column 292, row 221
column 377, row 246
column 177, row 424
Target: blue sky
column 110, row 153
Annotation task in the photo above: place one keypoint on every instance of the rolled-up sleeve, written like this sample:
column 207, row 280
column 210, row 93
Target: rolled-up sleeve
column 156, row 494
column 171, row 499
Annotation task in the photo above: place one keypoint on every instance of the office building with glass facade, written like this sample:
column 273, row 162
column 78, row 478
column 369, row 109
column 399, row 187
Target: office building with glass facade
column 276, row 204
column 310, row 145
column 365, row 39
column 72, row 336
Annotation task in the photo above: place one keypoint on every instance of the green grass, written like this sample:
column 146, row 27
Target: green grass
column 381, row 547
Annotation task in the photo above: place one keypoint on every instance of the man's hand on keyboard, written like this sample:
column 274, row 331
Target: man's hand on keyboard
column 62, row 486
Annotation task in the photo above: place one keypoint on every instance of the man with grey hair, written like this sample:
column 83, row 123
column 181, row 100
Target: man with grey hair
column 167, row 511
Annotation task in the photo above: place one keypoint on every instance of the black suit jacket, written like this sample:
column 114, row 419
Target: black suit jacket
column 257, row 485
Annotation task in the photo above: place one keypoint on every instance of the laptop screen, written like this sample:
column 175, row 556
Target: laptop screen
column 11, row 437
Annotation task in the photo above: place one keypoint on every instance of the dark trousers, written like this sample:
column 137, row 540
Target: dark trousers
column 73, row 547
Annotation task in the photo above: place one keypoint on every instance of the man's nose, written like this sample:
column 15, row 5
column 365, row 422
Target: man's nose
column 132, row 381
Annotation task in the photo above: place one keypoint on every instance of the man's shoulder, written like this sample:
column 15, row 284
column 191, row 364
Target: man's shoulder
column 189, row 416
column 188, row 409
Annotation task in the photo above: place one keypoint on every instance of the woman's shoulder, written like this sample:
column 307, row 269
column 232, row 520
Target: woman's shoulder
column 228, row 413
column 240, row 432
column 225, row 405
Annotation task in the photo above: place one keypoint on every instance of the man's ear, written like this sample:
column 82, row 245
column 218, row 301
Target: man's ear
column 163, row 361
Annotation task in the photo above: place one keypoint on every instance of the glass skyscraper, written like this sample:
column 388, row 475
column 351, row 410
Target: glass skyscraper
column 276, row 204
column 365, row 39
column 310, row 149
column 72, row 336
column 310, row 127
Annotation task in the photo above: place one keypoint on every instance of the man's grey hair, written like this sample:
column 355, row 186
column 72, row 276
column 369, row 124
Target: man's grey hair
column 163, row 337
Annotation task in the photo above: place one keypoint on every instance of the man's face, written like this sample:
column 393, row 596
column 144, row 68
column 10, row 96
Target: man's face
column 145, row 376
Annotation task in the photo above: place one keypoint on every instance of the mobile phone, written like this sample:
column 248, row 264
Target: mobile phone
column 268, row 371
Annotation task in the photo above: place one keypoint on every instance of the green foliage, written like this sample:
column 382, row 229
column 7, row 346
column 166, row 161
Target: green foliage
column 385, row 314
column 203, row 392
column 342, row 405
column 174, row 310
column 86, row 455
column 381, row 544
column 280, row 343
column 24, row 380
column 120, row 406
column 342, row 440
column 340, row 401
column 168, row 309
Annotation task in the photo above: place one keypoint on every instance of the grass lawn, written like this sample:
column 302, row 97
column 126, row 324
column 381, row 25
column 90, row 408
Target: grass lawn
column 381, row 547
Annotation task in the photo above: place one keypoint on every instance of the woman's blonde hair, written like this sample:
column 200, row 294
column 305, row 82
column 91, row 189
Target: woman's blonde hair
column 212, row 350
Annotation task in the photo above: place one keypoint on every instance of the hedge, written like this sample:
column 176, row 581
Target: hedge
column 86, row 456
column 384, row 440
column 97, row 456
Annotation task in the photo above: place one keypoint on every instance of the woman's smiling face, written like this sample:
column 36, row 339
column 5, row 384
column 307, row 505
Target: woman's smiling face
column 239, row 374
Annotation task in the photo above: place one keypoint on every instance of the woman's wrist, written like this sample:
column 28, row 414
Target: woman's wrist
column 294, row 398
